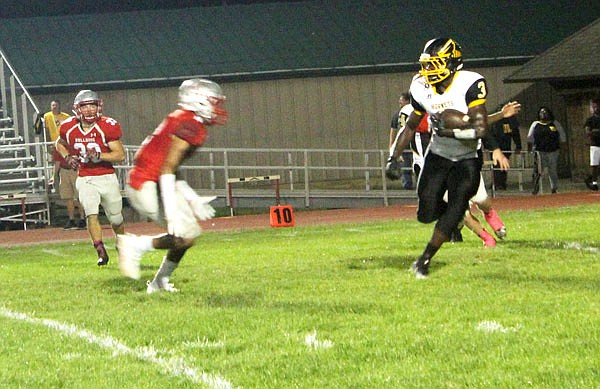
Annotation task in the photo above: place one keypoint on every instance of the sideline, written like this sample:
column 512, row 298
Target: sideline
column 303, row 218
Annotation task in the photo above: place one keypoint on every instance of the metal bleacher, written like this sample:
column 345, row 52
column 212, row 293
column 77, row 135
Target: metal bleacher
column 24, row 200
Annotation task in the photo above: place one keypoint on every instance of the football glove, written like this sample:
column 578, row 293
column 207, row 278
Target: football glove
column 392, row 170
column 72, row 161
column 93, row 155
column 202, row 209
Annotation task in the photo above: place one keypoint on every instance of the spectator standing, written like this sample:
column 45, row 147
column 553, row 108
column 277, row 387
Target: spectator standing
column 52, row 120
column 545, row 138
column 505, row 131
column 92, row 143
column 68, row 192
column 397, row 124
column 592, row 130
column 152, row 185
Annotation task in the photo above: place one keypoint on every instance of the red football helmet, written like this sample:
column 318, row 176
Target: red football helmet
column 87, row 97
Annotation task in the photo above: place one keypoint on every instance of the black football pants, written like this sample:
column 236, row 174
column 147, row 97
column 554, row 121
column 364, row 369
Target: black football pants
column 460, row 179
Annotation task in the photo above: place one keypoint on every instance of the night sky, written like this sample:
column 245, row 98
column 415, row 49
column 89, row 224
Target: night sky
column 27, row 9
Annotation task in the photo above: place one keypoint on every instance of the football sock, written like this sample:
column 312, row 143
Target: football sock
column 166, row 269
column 429, row 252
column 145, row 242
column 99, row 246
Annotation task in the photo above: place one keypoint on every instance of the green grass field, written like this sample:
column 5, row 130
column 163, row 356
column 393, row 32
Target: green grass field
column 315, row 307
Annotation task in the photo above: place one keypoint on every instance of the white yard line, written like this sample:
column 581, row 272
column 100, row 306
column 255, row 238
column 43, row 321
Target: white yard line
column 172, row 365
column 578, row 246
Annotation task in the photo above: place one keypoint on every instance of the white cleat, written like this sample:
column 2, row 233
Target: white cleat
column 159, row 286
column 129, row 255
column 501, row 233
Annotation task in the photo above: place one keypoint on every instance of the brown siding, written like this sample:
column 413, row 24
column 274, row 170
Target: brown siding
column 345, row 112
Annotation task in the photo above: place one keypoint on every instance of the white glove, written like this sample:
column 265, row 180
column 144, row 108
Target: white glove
column 202, row 209
column 167, row 194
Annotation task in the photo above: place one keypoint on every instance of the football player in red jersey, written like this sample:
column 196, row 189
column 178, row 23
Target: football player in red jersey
column 153, row 187
column 96, row 140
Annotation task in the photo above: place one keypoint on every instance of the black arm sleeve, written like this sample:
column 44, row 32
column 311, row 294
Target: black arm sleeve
column 516, row 134
column 490, row 142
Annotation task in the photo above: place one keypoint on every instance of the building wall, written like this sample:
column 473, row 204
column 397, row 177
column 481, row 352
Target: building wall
column 320, row 112
column 343, row 112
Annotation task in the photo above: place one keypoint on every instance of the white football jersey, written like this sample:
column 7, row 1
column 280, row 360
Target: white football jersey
column 467, row 89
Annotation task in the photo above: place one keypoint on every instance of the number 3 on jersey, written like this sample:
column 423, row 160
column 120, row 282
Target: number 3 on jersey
column 482, row 90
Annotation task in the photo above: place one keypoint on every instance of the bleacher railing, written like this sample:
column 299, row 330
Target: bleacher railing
column 23, row 159
column 305, row 173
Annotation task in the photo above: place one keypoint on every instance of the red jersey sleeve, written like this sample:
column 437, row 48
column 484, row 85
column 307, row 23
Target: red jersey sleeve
column 190, row 128
column 111, row 128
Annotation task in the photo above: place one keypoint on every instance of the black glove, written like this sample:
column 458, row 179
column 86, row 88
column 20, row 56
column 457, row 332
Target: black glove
column 392, row 170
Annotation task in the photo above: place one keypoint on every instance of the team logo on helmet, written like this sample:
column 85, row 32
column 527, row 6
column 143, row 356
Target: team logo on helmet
column 441, row 57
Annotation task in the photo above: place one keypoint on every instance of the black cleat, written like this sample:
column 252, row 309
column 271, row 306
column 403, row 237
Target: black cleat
column 71, row 225
column 421, row 268
column 102, row 255
column 102, row 261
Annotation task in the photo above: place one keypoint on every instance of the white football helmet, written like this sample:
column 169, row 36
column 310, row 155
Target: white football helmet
column 205, row 98
column 85, row 97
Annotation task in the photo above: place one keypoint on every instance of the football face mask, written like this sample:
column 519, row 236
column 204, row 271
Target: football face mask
column 92, row 103
column 441, row 57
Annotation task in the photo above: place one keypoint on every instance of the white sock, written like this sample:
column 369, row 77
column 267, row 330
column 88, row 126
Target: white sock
column 145, row 242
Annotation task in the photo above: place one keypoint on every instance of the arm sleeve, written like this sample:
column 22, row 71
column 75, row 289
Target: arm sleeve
column 490, row 142
column 193, row 133
column 477, row 93
column 530, row 133
column 516, row 134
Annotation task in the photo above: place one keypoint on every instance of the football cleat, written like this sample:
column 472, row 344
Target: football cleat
column 129, row 255
column 501, row 233
column 102, row 261
column 71, row 225
column 102, row 255
column 420, row 268
column 159, row 285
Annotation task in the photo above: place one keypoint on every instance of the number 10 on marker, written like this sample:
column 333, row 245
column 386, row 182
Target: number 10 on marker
column 282, row 216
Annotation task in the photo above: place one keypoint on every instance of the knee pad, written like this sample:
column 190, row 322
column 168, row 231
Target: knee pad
column 115, row 219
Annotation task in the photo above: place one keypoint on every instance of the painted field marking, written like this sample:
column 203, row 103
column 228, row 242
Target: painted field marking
column 578, row 246
column 174, row 366
column 493, row 326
